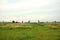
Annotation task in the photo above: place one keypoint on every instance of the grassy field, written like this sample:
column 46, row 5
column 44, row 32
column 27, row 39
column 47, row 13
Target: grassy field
column 30, row 31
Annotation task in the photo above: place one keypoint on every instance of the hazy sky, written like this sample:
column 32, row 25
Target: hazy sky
column 18, row 10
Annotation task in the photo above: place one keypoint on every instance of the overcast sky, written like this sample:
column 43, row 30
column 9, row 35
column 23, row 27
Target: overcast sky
column 18, row 10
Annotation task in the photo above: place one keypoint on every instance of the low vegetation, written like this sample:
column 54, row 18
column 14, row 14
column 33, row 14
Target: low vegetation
column 30, row 31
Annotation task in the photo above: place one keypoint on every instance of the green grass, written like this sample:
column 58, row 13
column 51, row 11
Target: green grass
column 29, row 31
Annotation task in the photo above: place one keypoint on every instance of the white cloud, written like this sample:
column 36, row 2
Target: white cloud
column 36, row 9
column 25, row 4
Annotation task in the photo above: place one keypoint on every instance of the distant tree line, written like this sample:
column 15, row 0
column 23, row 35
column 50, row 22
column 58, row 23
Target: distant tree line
column 28, row 21
column 14, row 21
column 21, row 22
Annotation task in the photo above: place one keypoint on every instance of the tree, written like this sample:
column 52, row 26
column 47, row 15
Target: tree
column 22, row 21
column 29, row 21
column 55, row 21
column 13, row 21
column 16, row 22
column 38, row 21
